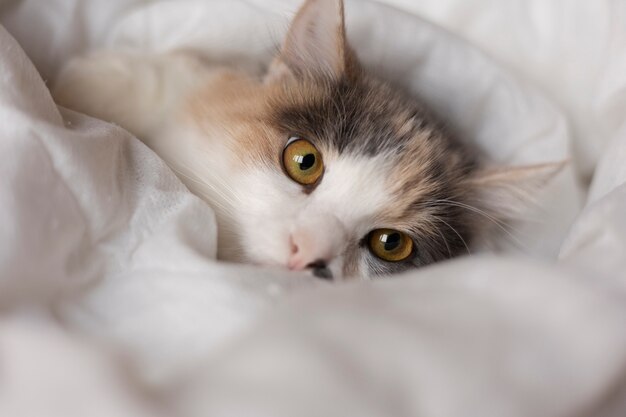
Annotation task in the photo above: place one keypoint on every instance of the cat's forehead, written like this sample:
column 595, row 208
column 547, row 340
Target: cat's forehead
column 386, row 165
column 363, row 116
column 379, row 129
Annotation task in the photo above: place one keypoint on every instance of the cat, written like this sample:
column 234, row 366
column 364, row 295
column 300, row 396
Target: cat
column 316, row 165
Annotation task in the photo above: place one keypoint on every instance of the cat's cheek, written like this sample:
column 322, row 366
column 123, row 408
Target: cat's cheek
column 267, row 202
column 348, row 264
column 265, row 240
column 267, row 245
column 336, row 267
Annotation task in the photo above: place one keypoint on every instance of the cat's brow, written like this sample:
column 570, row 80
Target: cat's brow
column 365, row 117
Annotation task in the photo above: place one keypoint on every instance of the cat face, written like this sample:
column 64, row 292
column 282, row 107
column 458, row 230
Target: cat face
column 347, row 176
column 356, row 178
column 318, row 166
column 337, row 172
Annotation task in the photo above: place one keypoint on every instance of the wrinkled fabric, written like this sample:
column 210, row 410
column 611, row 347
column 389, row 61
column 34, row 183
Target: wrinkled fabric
column 110, row 292
column 575, row 52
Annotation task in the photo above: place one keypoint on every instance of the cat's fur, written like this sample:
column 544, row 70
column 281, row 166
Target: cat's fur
column 387, row 163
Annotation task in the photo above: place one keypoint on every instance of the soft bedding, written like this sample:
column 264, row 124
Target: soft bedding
column 112, row 302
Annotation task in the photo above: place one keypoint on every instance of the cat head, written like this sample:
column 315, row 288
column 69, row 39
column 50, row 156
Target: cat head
column 344, row 175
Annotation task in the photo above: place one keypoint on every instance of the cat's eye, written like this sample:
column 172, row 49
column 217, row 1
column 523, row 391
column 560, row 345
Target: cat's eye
column 302, row 161
column 390, row 245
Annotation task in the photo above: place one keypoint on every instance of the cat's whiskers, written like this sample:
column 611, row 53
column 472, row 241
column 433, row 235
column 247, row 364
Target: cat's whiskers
column 457, row 233
column 499, row 223
column 444, row 241
column 216, row 192
column 217, row 205
column 472, row 208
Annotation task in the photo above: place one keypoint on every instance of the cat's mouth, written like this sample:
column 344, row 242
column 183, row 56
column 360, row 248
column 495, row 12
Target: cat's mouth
column 320, row 270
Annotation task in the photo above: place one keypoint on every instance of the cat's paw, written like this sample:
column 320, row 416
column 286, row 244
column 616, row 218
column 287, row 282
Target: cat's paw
column 136, row 91
column 92, row 84
column 113, row 86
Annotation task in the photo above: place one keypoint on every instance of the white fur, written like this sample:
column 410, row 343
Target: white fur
column 343, row 208
column 260, row 211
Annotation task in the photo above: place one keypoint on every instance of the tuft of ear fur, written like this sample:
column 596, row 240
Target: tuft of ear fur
column 315, row 45
column 507, row 192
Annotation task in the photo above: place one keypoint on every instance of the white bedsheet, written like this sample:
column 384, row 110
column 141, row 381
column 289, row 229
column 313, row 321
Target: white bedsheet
column 110, row 295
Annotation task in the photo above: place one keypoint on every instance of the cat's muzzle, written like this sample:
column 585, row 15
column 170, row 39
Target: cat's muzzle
column 320, row 270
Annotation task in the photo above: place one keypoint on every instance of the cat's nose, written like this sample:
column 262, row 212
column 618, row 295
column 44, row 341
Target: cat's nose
column 306, row 253
column 315, row 244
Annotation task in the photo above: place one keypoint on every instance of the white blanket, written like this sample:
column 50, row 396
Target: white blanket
column 112, row 302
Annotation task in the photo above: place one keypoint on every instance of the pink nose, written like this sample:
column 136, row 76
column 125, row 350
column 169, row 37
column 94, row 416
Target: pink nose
column 317, row 242
column 305, row 251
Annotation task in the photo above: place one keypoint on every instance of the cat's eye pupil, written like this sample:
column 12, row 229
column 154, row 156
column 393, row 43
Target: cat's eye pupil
column 390, row 245
column 391, row 241
column 302, row 162
column 307, row 161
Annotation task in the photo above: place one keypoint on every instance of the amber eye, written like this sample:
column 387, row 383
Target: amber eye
column 390, row 245
column 302, row 161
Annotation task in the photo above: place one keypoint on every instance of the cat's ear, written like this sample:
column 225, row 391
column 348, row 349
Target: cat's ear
column 315, row 44
column 508, row 192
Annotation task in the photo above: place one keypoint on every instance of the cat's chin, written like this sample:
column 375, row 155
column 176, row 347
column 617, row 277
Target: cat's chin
column 327, row 274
